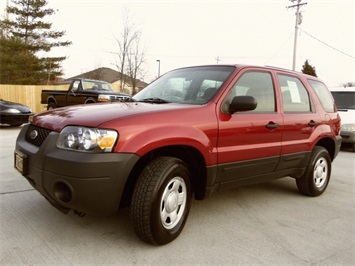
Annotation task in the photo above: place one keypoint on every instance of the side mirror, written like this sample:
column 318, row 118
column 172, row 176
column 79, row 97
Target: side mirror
column 242, row 104
column 72, row 91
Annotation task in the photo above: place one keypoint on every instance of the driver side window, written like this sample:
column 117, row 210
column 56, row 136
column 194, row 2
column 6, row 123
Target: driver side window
column 258, row 85
column 76, row 85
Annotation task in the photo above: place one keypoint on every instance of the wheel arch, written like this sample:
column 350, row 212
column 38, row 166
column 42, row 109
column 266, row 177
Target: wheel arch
column 190, row 155
column 90, row 100
column 51, row 99
column 329, row 145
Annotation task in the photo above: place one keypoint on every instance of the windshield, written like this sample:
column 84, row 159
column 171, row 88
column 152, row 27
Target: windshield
column 195, row 85
column 96, row 85
column 344, row 99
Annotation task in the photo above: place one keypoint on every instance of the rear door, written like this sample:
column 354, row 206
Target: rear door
column 250, row 142
column 300, row 117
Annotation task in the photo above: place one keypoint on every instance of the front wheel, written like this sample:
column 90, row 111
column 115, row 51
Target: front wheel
column 161, row 200
column 51, row 105
column 317, row 175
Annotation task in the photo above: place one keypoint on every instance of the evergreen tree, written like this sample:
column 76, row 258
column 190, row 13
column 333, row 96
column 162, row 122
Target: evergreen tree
column 23, row 37
column 308, row 69
column 16, row 65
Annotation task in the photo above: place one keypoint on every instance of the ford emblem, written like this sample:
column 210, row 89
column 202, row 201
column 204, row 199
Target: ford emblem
column 33, row 134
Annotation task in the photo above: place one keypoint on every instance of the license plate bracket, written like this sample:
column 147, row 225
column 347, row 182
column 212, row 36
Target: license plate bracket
column 20, row 162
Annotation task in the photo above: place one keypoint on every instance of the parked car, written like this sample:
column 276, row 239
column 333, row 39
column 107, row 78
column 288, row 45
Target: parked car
column 190, row 133
column 345, row 101
column 82, row 91
column 14, row 114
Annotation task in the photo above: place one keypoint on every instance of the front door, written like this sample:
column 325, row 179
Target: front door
column 250, row 142
column 75, row 95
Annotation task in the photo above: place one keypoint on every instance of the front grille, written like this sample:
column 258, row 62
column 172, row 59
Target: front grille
column 36, row 135
column 115, row 98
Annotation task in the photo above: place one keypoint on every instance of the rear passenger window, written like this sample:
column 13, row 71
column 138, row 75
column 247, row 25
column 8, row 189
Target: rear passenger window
column 260, row 86
column 324, row 95
column 295, row 98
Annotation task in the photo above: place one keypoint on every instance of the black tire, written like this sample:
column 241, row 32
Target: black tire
column 161, row 200
column 51, row 106
column 316, row 178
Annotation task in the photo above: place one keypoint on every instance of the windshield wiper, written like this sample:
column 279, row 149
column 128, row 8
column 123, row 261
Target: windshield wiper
column 154, row 100
column 130, row 99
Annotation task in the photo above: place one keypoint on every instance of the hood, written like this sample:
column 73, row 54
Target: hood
column 96, row 92
column 92, row 115
column 4, row 105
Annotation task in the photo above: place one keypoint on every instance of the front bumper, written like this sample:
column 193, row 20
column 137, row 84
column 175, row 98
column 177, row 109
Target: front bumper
column 14, row 119
column 338, row 141
column 86, row 182
column 347, row 136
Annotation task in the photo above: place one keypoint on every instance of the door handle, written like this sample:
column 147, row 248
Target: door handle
column 272, row 125
column 312, row 123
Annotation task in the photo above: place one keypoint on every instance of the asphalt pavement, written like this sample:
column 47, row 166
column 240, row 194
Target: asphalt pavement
column 265, row 224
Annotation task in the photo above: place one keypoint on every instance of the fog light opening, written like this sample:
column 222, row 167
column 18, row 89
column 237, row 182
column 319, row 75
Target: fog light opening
column 62, row 192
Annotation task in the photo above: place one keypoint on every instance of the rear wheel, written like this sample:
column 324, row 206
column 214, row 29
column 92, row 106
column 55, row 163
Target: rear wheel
column 161, row 200
column 317, row 175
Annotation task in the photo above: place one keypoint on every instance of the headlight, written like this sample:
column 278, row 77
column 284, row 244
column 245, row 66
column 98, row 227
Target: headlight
column 11, row 111
column 103, row 98
column 348, row 127
column 87, row 139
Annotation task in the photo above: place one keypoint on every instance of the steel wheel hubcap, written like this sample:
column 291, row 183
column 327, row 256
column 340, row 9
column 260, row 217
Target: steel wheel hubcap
column 173, row 203
column 320, row 173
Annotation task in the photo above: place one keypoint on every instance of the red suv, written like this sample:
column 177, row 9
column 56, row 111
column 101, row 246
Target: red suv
column 192, row 132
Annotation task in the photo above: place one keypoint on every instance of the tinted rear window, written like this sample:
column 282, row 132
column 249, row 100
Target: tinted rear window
column 344, row 99
column 324, row 95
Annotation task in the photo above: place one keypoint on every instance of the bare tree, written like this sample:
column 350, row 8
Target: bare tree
column 130, row 55
column 95, row 74
column 135, row 60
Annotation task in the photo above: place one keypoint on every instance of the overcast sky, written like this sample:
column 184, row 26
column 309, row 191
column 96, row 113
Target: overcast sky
column 195, row 32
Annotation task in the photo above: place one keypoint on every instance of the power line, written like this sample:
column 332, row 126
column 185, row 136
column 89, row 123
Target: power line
column 310, row 35
column 278, row 50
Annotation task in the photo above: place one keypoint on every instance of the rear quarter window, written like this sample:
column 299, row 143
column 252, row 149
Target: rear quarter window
column 323, row 95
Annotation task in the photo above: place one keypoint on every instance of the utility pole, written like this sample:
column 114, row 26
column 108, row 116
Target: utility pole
column 158, row 67
column 298, row 22
column 218, row 59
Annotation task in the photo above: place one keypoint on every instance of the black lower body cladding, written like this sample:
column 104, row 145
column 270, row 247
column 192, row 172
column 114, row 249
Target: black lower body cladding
column 87, row 182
